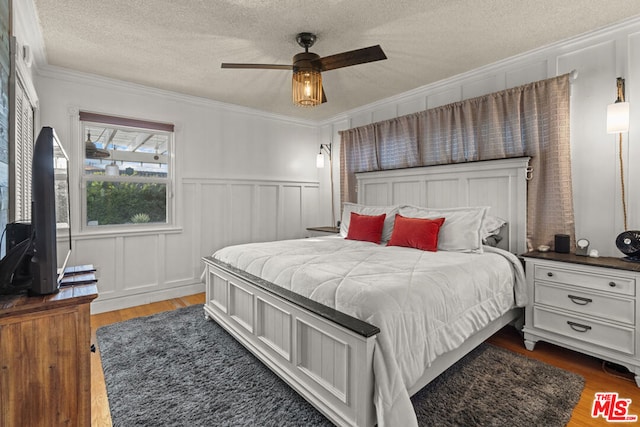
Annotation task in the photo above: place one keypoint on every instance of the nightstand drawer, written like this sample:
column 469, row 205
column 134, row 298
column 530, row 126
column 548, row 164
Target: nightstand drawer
column 590, row 331
column 609, row 308
column 601, row 282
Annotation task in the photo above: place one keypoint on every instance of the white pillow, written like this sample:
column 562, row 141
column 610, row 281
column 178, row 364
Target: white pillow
column 461, row 229
column 390, row 211
column 491, row 226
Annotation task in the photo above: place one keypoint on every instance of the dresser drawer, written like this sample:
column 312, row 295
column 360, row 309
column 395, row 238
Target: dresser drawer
column 589, row 331
column 602, row 282
column 609, row 308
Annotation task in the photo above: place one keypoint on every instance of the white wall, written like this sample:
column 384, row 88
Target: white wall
column 599, row 58
column 241, row 176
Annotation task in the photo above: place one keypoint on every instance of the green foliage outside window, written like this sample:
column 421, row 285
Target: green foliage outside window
column 125, row 202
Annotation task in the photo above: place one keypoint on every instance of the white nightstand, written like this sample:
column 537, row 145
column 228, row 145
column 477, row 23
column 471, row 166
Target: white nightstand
column 586, row 304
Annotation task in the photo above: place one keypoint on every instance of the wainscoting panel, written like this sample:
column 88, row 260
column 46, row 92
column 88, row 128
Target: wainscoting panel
column 141, row 263
column 241, row 198
column 266, row 213
column 291, row 211
column 136, row 268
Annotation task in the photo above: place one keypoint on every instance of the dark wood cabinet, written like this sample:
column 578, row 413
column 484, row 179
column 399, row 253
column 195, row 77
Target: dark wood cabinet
column 45, row 373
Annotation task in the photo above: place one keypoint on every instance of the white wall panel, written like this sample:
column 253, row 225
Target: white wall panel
column 311, row 207
column 385, row 113
column 214, row 221
column 361, row 119
column 240, row 222
column 482, row 86
column 633, row 95
column 102, row 254
column 412, row 105
column 266, row 228
column 291, row 211
column 526, row 74
column 593, row 151
column 140, row 261
column 444, row 97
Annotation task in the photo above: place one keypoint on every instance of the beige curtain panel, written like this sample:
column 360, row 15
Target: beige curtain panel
column 529, row 120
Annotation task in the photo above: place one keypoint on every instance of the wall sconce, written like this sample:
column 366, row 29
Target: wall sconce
column 326, row 148
column 618, row 112
column 618, row 122
column 320, row 156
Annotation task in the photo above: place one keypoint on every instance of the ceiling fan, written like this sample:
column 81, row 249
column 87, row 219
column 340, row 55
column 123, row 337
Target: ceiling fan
column 307, row 68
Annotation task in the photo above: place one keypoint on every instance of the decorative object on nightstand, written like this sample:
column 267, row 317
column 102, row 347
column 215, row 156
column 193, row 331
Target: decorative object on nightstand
column 582, row 247
column 585, row 304
column 628, row 242
column 562, row 243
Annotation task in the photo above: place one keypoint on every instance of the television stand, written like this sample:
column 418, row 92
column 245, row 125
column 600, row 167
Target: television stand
column 45, row 348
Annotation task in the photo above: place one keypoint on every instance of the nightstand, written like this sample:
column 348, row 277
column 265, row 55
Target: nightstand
column 322, row 231
column 585, row 304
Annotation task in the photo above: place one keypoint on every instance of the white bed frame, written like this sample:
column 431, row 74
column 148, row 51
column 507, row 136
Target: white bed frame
column 326, row 356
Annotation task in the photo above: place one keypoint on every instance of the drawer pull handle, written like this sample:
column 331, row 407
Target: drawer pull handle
column 550, row 274
column 578, row 327
column 612, row 284
column 579, row 300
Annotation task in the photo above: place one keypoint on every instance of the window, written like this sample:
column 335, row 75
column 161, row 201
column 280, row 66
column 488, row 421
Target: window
column 127, row 176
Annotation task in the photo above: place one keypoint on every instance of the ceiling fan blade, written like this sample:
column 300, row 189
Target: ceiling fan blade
column 353, row 57
column 260, row 66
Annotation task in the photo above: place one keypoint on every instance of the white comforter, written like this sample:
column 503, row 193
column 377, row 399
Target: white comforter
column 425, row 303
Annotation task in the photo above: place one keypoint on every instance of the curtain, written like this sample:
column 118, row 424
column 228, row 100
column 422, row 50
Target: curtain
column 529, row 120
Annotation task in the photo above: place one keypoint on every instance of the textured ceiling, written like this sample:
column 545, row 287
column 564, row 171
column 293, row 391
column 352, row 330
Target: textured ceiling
column 179, row 45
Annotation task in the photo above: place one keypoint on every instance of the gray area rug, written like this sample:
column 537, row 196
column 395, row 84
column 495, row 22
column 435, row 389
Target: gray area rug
column 178, row 369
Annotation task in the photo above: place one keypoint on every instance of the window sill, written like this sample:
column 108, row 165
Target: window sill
column 129, row 232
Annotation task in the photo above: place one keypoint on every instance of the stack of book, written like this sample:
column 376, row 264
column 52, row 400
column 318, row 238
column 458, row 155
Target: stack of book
column 79, row 275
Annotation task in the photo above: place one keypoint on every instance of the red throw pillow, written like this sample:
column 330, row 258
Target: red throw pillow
column 419, row 233
column 367, row 228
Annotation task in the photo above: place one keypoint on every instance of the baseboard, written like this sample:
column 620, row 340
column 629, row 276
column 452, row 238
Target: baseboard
column 101, row 306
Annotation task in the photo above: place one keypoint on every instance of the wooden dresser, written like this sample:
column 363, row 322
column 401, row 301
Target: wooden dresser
column 45, row 347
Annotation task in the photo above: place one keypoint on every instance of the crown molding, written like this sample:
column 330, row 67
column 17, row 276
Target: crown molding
column 628, row 26
column 65, row 74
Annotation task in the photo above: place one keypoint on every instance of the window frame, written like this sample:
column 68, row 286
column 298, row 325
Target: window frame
column 126, row 124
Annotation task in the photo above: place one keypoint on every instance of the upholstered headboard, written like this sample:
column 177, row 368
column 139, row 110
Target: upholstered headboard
column 499, row 184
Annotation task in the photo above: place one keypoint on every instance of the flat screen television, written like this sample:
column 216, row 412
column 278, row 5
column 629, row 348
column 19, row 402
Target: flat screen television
column 50, row 211
column 50, row 214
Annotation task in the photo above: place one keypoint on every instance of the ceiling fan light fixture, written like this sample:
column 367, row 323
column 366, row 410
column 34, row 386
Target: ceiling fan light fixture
column 307, row 88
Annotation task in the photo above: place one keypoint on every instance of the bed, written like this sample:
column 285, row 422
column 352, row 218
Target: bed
column 344, row 322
